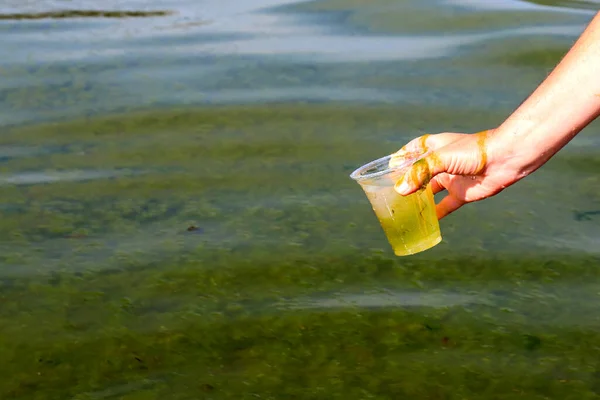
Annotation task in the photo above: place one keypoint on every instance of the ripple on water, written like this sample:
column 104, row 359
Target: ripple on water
column 66, row 14
column 568, row 6
column 37, row 177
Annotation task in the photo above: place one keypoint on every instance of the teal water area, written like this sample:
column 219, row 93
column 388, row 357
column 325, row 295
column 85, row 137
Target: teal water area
column 177, row 220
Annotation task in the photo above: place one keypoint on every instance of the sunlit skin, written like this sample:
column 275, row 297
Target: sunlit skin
column 473, row 179
column 472, row 167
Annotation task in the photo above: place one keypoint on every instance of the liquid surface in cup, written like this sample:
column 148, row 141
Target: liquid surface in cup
column 410, row 222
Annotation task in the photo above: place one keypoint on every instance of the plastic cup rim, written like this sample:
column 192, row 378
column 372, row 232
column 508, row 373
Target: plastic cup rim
column 358, row 175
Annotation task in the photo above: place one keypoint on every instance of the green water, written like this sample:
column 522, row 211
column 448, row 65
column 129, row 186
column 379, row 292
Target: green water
column 177, row 220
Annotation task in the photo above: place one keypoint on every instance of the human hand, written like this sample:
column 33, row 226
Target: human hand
column 466, row 165
column 473, row 167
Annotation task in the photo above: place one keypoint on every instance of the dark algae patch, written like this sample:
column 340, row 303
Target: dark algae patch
column 189, row 325
column 231, row 257
column 586, row 215
column 63, row 14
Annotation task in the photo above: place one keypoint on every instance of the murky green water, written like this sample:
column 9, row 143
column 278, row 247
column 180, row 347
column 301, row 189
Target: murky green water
column 177, row 221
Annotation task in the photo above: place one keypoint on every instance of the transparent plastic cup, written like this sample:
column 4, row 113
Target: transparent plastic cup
column 409, row 222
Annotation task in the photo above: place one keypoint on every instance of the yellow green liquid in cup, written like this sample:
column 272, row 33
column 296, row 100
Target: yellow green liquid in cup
column 410, row 222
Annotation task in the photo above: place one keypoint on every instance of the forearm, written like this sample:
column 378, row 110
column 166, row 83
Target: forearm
column 567, row 101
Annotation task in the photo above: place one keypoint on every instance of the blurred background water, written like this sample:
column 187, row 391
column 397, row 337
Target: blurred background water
column 177, row 220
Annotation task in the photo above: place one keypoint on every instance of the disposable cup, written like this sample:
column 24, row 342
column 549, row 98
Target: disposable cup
column 409, row 222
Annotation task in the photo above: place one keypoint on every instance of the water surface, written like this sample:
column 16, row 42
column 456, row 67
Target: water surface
column 177, row 220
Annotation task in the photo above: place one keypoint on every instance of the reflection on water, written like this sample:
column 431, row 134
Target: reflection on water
column 385, row 300
column 177, row 221
column 570, row 4
column 559, row 6
column 373, row 48
column 82, row 14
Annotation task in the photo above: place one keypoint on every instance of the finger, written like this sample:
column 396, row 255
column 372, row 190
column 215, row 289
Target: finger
column 411, row 150
column 417, row 144
column 422, row 144
column 463, row 157
column 423, row 171
column 420, row 173
column 448, row 205
column 433, row 142
column 436, row 185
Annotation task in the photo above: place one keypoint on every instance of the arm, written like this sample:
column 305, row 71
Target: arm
column 472, row 167
column 567, row 101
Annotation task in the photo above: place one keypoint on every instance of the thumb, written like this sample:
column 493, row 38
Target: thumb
column 466, row 156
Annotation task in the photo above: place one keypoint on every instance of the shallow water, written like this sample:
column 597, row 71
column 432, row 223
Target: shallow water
column 177, row 220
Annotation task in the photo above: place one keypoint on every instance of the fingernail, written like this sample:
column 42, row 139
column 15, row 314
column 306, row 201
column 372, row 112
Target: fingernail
column 403, row 188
